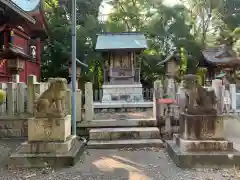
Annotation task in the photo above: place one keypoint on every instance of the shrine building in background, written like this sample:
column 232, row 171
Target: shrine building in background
column 22, row 28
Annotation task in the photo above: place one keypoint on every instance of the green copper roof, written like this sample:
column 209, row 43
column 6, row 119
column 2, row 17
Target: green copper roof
column 128, row 40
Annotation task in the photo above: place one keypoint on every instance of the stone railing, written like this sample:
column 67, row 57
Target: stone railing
column 20, row 98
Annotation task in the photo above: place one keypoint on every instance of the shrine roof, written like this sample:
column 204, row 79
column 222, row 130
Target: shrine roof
column 220, row 55
column 17, row 9
column 13, row 52
column 174, row 56
column 125, row 40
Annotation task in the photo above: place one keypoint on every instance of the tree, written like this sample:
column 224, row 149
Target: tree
column 57, row 48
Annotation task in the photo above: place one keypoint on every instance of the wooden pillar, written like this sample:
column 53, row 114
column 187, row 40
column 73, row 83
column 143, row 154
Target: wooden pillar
column 6, row 39
column 38, row 55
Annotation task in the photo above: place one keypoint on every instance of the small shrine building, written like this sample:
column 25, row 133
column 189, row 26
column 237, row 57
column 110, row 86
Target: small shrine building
column 120, row 52
column 219, row 59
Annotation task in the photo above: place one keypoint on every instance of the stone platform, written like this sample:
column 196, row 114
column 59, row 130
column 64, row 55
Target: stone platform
column 201, row 143
column 49, row 143
column 128, row 137
column 184, row 159
column 122, row 93
column 38, row 155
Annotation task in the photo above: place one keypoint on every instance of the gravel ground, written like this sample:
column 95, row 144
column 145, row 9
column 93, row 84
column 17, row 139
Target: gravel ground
column 123, row 164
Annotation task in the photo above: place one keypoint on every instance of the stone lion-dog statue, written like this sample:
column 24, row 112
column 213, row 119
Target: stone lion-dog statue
column 198, row 99
column 52, row 101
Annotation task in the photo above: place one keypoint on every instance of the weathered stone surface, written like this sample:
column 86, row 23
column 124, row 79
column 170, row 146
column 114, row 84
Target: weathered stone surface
column 40, row 160
column 201, row 127
column 124, row 133
column 46, row 129
column 47, row 147
column 119, row 123
column 203, row 145
column 10, row 128
column 133, row 143
column 205, row 159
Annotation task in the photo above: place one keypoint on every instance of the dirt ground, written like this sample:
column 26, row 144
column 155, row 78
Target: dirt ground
column 122, row 164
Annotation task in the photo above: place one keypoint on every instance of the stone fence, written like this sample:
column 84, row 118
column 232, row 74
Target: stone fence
column 20, row 98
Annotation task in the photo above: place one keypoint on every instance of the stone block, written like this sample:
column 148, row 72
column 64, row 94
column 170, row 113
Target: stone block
column 49, row 129
column 47, row 147
column 203, row 159
column 132, row 143
column 54, row 159
column 203, row 145
column 201, row 127
column 124, row 133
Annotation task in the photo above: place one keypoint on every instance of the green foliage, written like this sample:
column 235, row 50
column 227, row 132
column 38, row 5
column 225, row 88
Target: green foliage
column 57, row 48
column 184, row 61
column 190, row 27
column 3, row 96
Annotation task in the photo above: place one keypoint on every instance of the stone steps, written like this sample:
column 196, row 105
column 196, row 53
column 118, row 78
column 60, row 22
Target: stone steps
column 137, row 143
column 124, row 133
column 134, row 137
column 118, row 123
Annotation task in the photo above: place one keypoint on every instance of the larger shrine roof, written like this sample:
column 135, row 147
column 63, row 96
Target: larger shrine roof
column 220, row 55
column 126, row 40
column 17, row 9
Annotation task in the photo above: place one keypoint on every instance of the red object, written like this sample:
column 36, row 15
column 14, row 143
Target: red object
column 19, row 34
column 166, row 101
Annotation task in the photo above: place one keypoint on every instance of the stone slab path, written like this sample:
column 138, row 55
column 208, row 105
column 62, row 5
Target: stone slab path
column 123, row 164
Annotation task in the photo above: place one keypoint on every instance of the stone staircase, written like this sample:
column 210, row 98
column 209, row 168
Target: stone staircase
column 137, row 136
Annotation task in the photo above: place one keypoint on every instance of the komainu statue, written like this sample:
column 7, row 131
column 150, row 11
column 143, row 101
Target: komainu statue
column 199, row 100
column 51, row 103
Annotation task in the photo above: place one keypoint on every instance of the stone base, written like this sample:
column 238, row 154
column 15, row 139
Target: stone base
column 209, row 159
column 131, row 143
column 49, row 129
column 124, row 133
column 122, row 93
column 42, row 154
column 202, row 145
column 201, row 127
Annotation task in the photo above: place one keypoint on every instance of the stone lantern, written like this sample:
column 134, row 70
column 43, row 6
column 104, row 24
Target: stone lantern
column 78, row 71
column 15, row 60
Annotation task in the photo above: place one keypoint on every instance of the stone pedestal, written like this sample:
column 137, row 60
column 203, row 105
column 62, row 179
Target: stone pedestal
column 49, row 129
column 122, row 93
column 49, row 143
column 201, row 143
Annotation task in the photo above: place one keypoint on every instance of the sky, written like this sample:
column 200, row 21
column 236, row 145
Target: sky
column 106, row 9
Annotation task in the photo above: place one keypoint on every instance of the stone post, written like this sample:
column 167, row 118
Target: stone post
column 31, row 93
column 38, row 88
column 68, row 102
column 171, row 87
column 11, row 98
column 218, row 88
column 89, row 109
column 233, row 96
column 172, row 93
column 21, row 97
column 181, row 92
column 15, row 78
column 157, row 93
column 79, row 105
